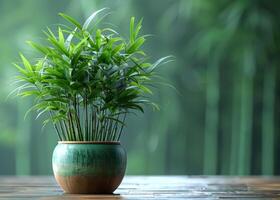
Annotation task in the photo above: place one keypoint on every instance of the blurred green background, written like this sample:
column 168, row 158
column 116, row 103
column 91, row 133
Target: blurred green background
column 223, row 118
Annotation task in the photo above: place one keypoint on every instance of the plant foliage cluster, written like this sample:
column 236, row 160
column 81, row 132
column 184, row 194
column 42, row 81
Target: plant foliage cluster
column 88, row 79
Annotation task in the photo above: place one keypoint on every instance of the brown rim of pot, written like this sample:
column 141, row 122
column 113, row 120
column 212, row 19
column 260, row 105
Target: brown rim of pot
column 88, row 142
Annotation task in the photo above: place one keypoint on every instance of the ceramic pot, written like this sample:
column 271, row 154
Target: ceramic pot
column 89, row 167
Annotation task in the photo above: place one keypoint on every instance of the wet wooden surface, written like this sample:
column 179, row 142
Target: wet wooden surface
column 150, row 187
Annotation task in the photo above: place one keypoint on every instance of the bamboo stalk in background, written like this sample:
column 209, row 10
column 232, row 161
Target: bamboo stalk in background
column 22, row 153
column 235, row 120
column 246, row 115
column 211, row 118
column 268, row 121
column 45, row 150
column 162, row 129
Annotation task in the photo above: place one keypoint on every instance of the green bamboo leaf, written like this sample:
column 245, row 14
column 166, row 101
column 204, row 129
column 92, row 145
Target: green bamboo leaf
column 18, row 90
column 69, row 38
column 131, row 29
column 29, row 110
column 71, row 20
column 41, row 112
column 60, row 37
column 58, row 46
column 21, row 70
column 40, row 48
column 135, row 106
column 161, row 61
column 29, row 93
column 45, row 122
column 142, row 87
column 117, row 49
column 80, row 45
column 136, row 45
column 155, row 106
column 50, row 34
column 57, row 99
column 91, row 17
column 98, row 38
column 110, row 30
column 26, row 63
column 137, row 29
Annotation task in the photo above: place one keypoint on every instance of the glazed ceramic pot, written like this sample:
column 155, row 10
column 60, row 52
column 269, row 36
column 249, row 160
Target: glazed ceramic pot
column 89, row 167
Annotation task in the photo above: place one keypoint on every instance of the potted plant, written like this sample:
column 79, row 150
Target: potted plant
column 87, row 80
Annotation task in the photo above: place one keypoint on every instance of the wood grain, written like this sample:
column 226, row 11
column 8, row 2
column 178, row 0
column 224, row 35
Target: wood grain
column 150, row 187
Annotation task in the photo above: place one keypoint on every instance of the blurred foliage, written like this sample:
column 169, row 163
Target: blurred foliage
column 222, row 120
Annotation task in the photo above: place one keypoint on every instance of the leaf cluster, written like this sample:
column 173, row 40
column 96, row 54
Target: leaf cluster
column 88, row 78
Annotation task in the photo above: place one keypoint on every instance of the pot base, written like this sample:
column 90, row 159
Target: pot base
column 88, row 184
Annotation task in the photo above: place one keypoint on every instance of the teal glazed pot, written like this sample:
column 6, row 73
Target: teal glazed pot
column 89, row 167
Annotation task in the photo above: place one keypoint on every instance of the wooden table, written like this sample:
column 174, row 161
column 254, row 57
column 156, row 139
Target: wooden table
column 150, row 187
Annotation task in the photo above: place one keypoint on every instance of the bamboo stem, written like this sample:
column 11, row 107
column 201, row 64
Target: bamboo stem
column 268, row 121
column 235, row 126
column 212, row 118
column 246, row 116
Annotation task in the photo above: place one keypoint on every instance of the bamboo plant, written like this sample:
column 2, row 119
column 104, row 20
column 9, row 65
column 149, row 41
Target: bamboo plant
column 88, row 78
